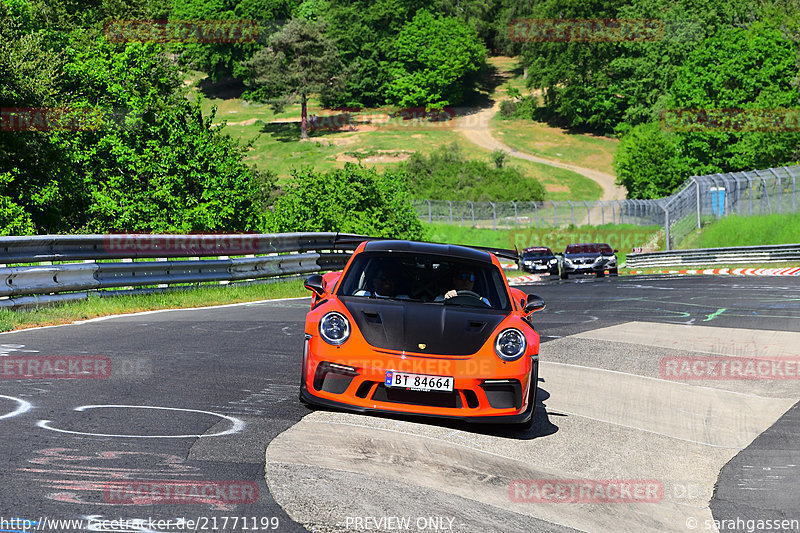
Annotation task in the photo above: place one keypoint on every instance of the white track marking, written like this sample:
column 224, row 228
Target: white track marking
column 237, row 424
column 23, row 407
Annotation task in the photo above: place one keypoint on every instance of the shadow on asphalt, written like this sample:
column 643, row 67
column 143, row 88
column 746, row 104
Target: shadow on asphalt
column 542, row 426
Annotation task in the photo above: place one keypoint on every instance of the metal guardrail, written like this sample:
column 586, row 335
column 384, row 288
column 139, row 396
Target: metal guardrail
column 258, row 256
column 716, row 256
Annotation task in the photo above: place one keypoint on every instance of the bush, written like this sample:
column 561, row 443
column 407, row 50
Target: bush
column 648, row 162
column 447, row 175
column 353, row 199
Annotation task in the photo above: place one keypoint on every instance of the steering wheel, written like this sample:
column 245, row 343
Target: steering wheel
column 469, row 293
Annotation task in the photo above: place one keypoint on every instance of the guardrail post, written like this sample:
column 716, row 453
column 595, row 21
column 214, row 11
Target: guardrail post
column 555, row 215
column 794, row 203
column 613, row 214
column 535, row 215
column 572, row 211
column 472, row 210
column 665, row 207
column 588, row 213
column 516, row 222
column 602, row 213
column 494, row 214
column 430, row 214
column 451, row 210
column 750, row 191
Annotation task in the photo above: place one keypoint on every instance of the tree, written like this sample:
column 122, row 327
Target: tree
column 353, row 199
column 648, row 162
column 753, row 70
column 225, row 59
column 434, row 60
column 300, row 60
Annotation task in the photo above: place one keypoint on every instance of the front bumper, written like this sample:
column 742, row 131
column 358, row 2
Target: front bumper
column 541, row 269
column 337, row 379
column 588, row 269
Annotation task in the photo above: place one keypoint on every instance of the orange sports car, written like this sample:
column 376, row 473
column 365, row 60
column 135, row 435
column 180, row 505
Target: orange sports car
column 423, row 329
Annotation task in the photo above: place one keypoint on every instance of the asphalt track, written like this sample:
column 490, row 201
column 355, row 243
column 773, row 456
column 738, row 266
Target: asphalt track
column 209, row 397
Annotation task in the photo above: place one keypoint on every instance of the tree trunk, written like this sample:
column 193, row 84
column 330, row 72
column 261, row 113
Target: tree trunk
column 303, row 117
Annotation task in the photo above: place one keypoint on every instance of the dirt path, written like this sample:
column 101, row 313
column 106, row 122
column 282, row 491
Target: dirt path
column 475, row 127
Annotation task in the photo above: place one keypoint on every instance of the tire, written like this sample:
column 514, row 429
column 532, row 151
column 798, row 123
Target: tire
column 614, row 272
column 564, row 274
column 601, row 274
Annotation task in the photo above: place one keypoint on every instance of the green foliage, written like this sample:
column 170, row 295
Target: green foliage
column 499, row 158
column 525, row 107
column 13, row 218
column 433, row 60
column 180, row 175
column 597, row 84
column 448, row 175
column 224, row 59
column 648, row 164
column 142, row 158
column 752, row 69
column 353, row 199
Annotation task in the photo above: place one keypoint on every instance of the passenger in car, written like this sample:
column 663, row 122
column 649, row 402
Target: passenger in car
column 383, row 283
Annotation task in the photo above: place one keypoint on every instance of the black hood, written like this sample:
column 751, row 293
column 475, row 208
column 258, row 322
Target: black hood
column 443, row 329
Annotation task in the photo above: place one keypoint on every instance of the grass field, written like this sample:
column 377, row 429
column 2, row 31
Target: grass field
column 539, row 139
column 97, row 307
column 374, row 139
column 623, row 237
column 746, row 231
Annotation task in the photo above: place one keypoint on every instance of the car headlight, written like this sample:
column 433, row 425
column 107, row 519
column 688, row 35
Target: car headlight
column 510, row 344
column 568, row 261
column 334, row 328
column 612, row 259
column 553, row 261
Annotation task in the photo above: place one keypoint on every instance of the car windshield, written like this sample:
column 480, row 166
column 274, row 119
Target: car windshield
column 588, row 249
column 536, row 253
column 425, row 278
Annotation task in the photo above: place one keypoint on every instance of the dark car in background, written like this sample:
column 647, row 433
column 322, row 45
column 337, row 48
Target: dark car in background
column 589, row 258
column 540, row 260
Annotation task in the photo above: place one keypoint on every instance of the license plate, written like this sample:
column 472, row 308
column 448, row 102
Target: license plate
column 420, row 382
column 541, row 267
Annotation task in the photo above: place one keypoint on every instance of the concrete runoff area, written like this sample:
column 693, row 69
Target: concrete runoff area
column 593, row 426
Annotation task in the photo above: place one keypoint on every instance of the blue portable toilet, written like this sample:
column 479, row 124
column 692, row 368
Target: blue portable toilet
column 717, row 200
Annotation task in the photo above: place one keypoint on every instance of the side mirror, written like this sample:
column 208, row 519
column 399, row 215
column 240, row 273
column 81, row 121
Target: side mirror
column 315, row 284
column 534, row 304
column 616, row 251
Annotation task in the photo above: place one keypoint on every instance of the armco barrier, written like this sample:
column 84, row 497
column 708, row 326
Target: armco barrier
column 716, row 256
column 258, row 256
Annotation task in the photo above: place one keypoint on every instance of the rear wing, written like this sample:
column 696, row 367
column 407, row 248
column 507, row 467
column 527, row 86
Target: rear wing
column 349, row 241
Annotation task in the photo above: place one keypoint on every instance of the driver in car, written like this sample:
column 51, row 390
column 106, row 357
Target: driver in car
column 463, row 280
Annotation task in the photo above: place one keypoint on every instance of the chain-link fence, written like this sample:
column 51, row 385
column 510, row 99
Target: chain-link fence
column 700, row 199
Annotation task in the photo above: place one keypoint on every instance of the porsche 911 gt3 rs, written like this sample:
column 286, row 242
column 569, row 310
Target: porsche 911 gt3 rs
column 423, row 329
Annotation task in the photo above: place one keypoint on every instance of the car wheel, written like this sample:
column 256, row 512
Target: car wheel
column 614, row 272
column 564, row 274
column 601, row 274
